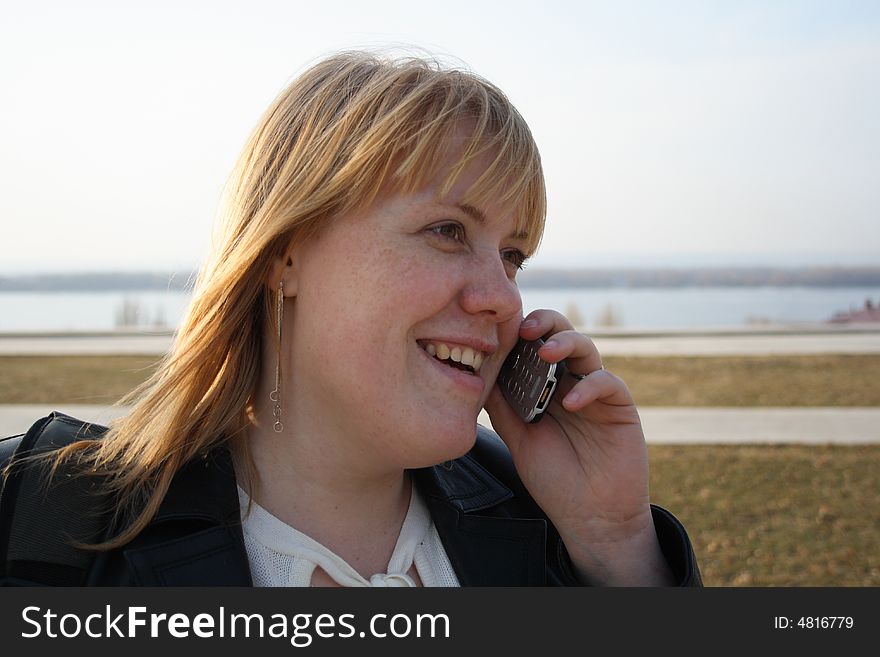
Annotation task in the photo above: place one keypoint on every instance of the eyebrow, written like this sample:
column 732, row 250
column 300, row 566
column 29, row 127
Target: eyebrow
column 471, row 211
column 477, row 215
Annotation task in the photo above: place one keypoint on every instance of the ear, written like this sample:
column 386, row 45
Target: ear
column 285, row 270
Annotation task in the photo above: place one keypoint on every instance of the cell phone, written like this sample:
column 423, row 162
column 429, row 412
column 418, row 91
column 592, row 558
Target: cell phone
column 528, row 382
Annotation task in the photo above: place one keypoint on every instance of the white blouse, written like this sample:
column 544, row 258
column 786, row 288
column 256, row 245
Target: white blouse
column 280, row 555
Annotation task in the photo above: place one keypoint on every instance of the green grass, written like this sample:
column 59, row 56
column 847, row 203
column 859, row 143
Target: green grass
column 775, row 515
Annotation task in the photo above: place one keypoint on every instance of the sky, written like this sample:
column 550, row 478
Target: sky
column 672, row 133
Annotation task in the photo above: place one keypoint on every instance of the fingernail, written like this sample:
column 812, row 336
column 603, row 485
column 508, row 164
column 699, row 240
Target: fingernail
column 572, row 398
column 550, row 344
column 529, row 323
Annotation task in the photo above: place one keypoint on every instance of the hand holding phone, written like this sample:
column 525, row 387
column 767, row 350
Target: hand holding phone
column 528, row 382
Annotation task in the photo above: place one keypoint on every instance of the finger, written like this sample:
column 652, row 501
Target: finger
column 599, row 385
column 579, row 352
column 543, row 322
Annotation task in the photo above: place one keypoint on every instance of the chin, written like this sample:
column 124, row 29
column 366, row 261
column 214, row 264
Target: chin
column 444, row 439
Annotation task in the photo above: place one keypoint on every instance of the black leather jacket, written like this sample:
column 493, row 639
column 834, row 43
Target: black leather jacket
column 493, row 531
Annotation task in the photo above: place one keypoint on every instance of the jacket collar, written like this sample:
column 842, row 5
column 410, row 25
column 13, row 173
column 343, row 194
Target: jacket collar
column 204, row 489
column 202, row 506
column 485, row 550
column 197, row 529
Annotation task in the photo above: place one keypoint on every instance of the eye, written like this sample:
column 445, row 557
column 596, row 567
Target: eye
column 450, row 231
column 515, row 257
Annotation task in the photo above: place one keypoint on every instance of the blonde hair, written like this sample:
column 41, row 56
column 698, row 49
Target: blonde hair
column 350, row 125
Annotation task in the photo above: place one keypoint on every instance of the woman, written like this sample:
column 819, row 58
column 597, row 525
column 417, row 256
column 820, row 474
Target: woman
column 344, row 335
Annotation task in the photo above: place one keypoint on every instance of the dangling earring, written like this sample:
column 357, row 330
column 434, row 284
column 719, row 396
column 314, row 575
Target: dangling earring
column 275, row 395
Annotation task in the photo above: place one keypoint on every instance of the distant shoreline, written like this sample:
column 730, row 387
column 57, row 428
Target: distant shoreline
column 530, row 278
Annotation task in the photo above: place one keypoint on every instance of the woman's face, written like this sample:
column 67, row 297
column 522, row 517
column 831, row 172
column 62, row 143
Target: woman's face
column 382, row 294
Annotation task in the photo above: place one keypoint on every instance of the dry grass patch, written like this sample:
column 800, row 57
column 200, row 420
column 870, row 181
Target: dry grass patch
column 661, row 381
column 816, row 380
column 71, row 379
column 775, row 515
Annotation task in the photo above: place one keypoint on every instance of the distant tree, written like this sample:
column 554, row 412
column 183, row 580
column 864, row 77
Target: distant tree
column 128, row 313
column 609, row 317
column 160, row 322
column 574, row 315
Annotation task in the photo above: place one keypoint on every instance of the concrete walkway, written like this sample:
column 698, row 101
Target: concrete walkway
column 84, row 345
column 663, row 425
column 739, row 345
column 736, row 341
column 813, row 426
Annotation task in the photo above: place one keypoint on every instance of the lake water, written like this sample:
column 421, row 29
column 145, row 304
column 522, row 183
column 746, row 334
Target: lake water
column 702, row 307
column 695, row 307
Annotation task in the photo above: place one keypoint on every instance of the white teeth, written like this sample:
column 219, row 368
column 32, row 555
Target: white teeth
column 463, row 355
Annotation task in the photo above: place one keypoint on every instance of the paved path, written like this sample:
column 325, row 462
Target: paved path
column 685, row 425
column 84, row 345
column 740, row 345
column 664, row 425
column 731, row 342
column 17, row 418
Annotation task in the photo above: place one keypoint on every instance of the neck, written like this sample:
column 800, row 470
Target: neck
column 313, row 477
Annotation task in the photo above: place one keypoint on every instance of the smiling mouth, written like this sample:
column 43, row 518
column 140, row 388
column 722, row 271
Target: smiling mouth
column 458, row 357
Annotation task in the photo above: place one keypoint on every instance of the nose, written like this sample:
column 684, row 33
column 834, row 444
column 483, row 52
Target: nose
column 490, row 291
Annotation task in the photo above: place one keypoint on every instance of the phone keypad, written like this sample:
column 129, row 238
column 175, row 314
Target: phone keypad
column 523, row 378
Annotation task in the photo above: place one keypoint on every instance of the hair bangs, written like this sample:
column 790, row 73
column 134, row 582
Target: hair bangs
column 513, row 182
column 421, row 136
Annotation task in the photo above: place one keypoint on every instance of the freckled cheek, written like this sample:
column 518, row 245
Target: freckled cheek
column 367, row 312
column 417, row 290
